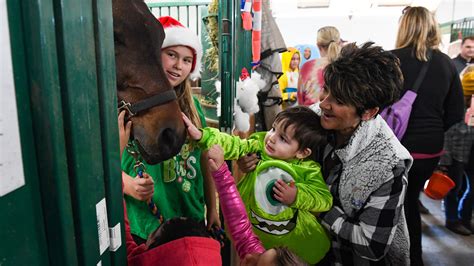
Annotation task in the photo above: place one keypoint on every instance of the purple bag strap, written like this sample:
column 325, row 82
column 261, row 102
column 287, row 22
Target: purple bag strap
column 422, row 74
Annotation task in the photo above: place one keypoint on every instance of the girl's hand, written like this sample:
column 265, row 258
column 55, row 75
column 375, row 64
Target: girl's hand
column 212, row 218
column 216, row 157
column 124, row 131
column 285, row 193
column 248, row 163
column 139, row 188
column 193, row 132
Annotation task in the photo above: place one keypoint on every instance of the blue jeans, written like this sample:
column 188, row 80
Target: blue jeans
column 459, row 207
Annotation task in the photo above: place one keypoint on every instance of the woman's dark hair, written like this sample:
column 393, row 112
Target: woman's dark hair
column 364, row 77
column 176, row 228
column 284, row 257
column 307, row 125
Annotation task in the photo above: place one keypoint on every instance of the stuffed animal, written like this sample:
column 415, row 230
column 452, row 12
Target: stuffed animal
column 246, row 102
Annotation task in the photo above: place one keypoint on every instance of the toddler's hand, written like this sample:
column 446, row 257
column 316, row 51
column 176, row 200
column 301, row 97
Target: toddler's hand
column 285, row 193
column 124, row 131
column 216, row 157
column 193, row 132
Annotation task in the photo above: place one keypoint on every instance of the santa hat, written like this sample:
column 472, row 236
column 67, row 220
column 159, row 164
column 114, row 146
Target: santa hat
column 177, row 34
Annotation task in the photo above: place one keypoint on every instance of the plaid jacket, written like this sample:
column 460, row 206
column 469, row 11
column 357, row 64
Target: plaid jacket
column 458, row 141
column 368, row 181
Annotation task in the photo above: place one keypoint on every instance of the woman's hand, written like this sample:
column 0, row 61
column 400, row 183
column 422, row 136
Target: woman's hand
column 285, row 193
column 139, row 188
column 216, row 157
column 248, row 163
column 124, row 131
column 193, row 132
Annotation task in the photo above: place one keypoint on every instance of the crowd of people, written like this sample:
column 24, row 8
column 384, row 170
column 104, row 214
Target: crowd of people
column 329, row 183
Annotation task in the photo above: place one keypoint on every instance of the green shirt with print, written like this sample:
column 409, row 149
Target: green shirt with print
column 179, row 189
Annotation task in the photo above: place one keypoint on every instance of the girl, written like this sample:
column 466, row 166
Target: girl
column 180, row 187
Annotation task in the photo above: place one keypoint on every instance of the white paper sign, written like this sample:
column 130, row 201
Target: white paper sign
column 115, row 237
column 102, row 225
column 11, row 164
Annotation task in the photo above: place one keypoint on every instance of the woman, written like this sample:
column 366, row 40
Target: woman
column 311, row 80
column 364, row 164
column 290, row 61
column 438, row 106
column 180, row 187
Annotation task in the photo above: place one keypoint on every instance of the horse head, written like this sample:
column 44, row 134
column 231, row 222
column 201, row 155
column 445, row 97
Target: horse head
column 138, row 36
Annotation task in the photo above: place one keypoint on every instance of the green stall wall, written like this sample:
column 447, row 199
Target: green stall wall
column 64, row 68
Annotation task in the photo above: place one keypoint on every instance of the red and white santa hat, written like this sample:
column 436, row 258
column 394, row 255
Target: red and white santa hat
column 177, row 34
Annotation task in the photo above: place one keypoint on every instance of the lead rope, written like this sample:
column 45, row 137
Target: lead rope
column 139, row 169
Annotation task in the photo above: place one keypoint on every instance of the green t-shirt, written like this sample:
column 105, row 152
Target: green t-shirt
column 179, row 190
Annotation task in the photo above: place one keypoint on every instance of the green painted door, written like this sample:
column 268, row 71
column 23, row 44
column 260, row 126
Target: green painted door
column 64, row 82
column 22, row 234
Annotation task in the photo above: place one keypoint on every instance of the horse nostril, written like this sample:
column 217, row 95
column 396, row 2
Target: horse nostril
column 169, row 143
column 167, row 136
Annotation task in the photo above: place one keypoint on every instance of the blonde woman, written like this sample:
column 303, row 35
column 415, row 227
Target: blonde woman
column 311, row 81
column 438, row 106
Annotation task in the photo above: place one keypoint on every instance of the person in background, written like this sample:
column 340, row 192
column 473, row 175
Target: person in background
column 181, row 186
column 307, row 53
column 311, row 80
column 290, row 61
column 438, row 106
column 458, row 146
column 467, row 54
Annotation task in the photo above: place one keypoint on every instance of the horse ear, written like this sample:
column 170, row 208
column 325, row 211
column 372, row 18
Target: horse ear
column 151, row 20
column 161, row 33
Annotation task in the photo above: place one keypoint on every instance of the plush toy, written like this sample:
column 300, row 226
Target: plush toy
column 246, row 102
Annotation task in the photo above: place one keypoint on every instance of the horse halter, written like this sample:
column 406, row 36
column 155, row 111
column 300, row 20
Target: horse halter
column 155, row 100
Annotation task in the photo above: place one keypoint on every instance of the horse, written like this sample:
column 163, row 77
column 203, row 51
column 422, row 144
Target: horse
column 142, row 87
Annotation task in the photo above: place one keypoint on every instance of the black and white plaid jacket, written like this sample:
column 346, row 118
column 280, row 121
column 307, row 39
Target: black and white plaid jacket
column 368, row 180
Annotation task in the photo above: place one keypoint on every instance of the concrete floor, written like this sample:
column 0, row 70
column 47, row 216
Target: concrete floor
column 442, row 247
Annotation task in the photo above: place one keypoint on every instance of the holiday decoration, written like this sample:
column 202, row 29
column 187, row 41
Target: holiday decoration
column 246, row 102
column 254, row 24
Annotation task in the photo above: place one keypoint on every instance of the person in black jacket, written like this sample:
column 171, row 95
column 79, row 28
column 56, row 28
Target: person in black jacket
column 466, row 55
column 439, row 105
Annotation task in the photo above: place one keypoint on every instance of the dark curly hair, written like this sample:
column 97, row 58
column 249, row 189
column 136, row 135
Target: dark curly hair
column 364, row 77
column 307, row 125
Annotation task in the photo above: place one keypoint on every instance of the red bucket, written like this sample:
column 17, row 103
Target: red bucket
column 438, row 186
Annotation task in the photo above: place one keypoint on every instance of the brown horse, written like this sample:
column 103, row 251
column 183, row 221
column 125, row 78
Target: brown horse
column 157, row 124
